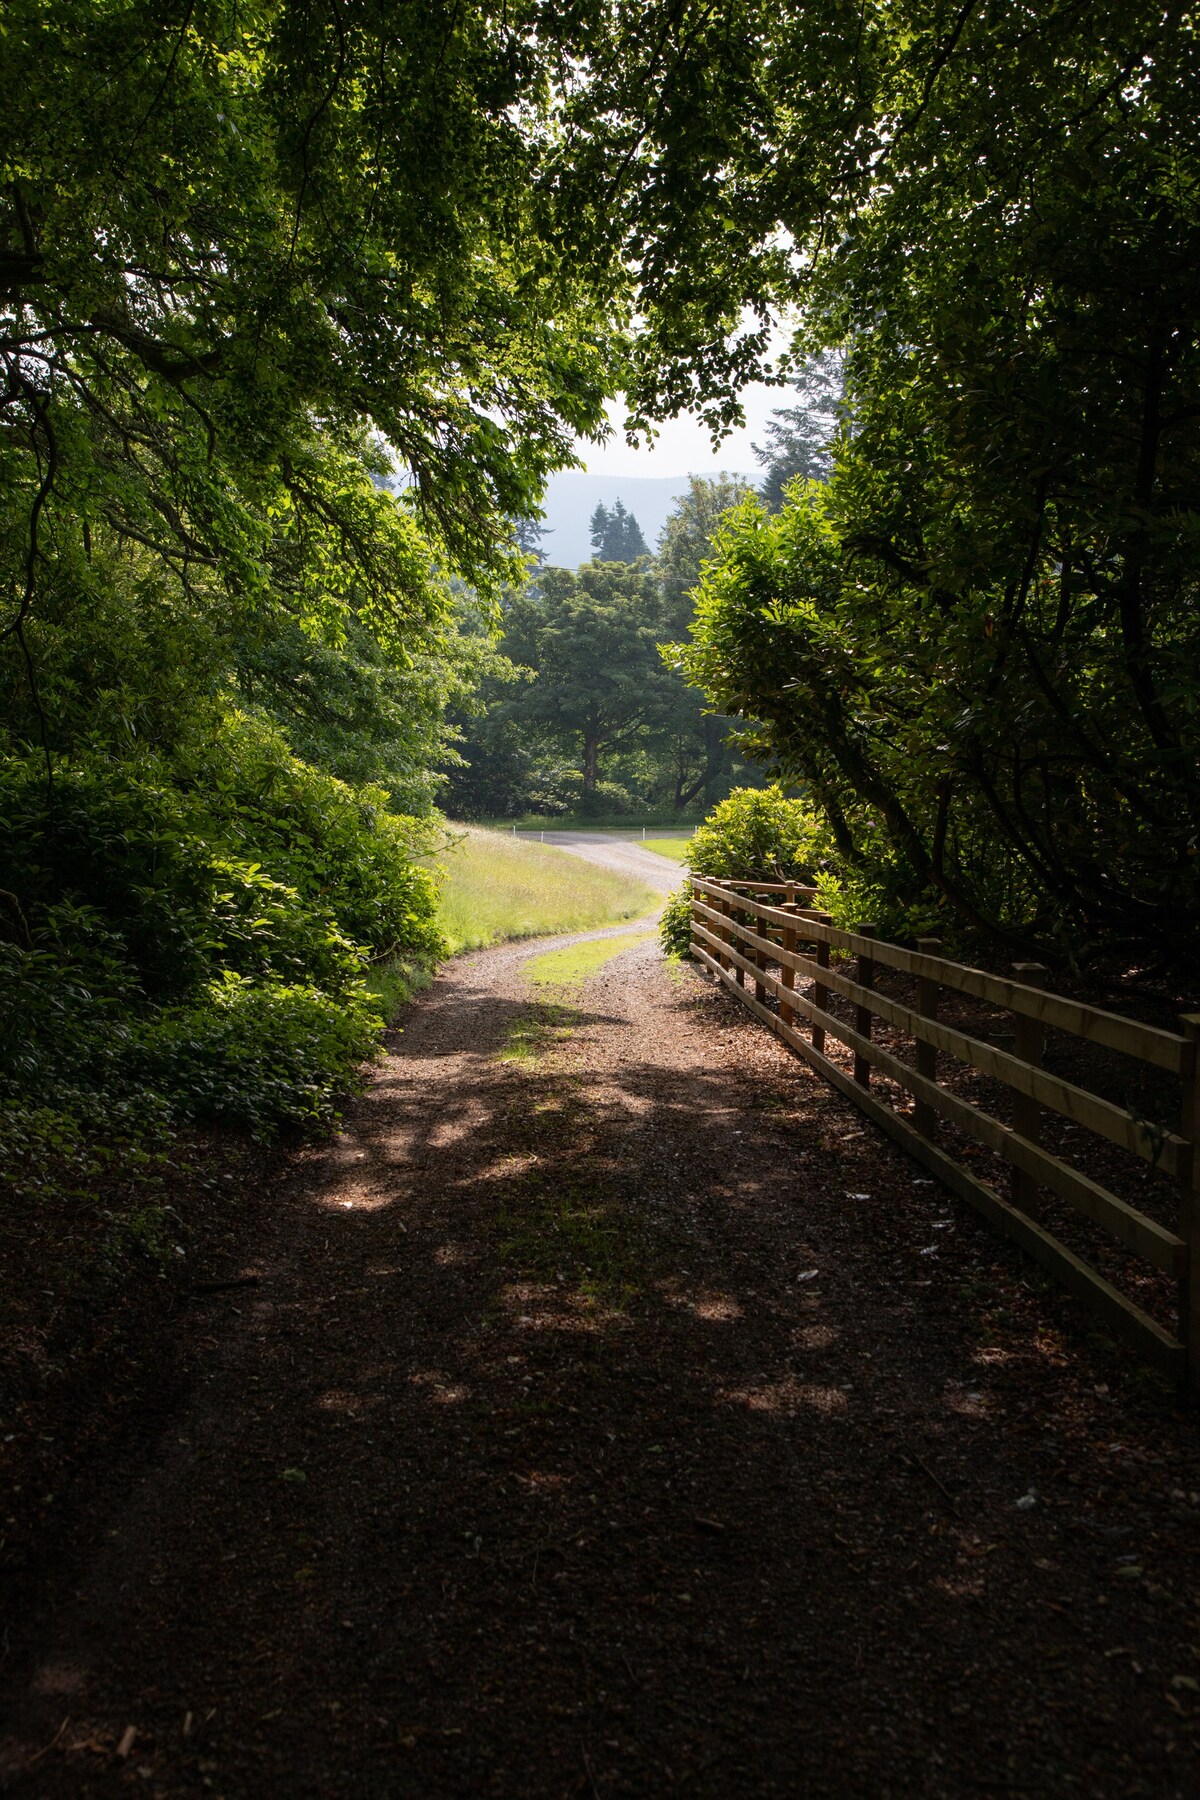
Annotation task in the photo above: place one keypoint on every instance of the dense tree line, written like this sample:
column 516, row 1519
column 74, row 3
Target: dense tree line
column 979, row 643
column 585, row 714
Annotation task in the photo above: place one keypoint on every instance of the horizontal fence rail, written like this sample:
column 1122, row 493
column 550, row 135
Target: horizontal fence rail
column 762, row 933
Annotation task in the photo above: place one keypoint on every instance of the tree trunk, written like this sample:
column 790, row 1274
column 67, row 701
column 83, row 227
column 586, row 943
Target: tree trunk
column 591, row 764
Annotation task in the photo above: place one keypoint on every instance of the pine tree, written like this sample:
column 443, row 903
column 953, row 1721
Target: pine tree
column 616, row 535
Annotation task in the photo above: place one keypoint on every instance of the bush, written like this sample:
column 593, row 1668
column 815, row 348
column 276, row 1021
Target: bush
column 257, row 1054
column 675, row 925
column 185, row 950
column 759, row 832
column 341, row 848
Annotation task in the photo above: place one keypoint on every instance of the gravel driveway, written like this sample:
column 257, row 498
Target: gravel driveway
column 620, row 854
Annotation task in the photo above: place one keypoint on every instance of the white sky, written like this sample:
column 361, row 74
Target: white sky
column 683, row 446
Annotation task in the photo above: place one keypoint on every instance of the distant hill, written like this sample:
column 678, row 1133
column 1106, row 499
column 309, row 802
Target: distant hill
column 572, row 498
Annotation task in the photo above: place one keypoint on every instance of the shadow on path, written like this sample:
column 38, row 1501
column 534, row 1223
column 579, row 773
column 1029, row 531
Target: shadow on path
column 586, row 1441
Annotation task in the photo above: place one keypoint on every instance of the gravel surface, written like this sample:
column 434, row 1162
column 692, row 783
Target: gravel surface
column 616, row 1415
column 626, row 858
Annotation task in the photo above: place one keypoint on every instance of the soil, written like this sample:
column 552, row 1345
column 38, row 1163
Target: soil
column 614, row 1412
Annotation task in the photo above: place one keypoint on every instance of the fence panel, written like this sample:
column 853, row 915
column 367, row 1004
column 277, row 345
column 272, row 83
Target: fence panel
column 736, row 934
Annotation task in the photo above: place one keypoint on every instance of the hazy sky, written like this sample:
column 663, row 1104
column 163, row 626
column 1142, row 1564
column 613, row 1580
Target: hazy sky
column 683, row 446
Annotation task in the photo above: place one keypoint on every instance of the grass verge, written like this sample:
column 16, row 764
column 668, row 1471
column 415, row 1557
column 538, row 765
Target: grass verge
column 570, row 967
column 394, row 982
column 558, row 977
column 676, row 848
column 498, row 887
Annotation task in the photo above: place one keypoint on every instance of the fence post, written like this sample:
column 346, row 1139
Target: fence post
column 787, row 975
column 928, row 991
column 739, row 974
column 1029, row 1044
column 759, row 954
column 1189, row 1204
column 865, row 976
column 821, row 993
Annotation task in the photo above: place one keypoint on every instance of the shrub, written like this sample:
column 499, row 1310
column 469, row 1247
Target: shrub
column 341, row 848
column 675, row 925
column 258, row 1054
column 761, row 832
column 191, row 951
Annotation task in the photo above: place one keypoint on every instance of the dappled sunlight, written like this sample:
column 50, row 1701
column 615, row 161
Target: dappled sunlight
column 716, row 1308
column 961, row 1587
column 815, row 1337
column 454, row 1256
column 967, row 1405
column 338, row 1400
column 543, row 1306
column 357, row 1197
column 538, row 1481
column 438, row 1387
column 786, row 1397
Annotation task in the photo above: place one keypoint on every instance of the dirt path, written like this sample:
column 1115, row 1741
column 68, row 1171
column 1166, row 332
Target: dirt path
column 615, row 1416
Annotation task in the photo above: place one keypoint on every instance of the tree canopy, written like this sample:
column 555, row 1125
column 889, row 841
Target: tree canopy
column 616, row 534
column 799, row 438
column 582, row 709
column 980, row 641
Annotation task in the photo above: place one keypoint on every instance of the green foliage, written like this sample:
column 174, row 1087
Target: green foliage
column 761, row 832
column 257, row 1054
column 592, row 640
column 979, row 646
column 153, row 965
column 753, row 832
column 675, row 922
column 799, row 438
column 342, row 848
column 616, row 535
column 591, row 692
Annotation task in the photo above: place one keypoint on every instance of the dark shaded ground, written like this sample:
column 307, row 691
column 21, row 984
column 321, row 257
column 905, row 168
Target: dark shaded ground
column 627, row 1419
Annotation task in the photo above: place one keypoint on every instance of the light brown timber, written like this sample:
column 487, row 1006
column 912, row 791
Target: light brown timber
column 1029, row 1045
column 928, row 991
column 863, row 1013
column 1121, row 1315
column 1160, row 1147
column 1162, row 1049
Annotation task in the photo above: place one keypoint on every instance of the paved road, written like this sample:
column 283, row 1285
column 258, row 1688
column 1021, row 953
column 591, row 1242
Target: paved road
column 658, row 872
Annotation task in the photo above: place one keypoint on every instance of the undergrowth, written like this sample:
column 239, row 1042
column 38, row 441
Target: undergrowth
column 188, row 940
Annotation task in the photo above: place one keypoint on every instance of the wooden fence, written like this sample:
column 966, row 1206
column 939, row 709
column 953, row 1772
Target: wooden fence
column 762, row 933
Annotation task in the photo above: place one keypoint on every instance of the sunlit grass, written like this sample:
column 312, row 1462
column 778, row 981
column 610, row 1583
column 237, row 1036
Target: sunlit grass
column 676, row 848
column 497, row 887
column 558, row 977
column 571, row 967
column 395, row 981
column 535, row 1032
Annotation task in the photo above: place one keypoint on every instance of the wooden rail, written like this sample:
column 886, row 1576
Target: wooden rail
column 739, row 929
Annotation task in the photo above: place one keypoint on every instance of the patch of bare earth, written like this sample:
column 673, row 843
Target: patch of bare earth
column 622, row 1416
